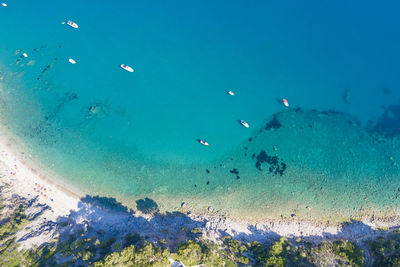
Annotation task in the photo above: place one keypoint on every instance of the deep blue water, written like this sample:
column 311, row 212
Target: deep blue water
column 321, row 55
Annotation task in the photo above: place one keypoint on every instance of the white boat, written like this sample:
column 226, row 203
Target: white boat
column 72, row 24
column 127, row 68
column 285, row 102
column 244, row 123
column 231, row 93
column 72, row 61
column 25, row 55
column 204, row 143
column 4, row 4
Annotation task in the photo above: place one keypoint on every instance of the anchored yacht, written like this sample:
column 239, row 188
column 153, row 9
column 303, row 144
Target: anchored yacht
column 285, row 102
column 72, row 24
column 204, row 143
column 127, row 68
column 244, row 123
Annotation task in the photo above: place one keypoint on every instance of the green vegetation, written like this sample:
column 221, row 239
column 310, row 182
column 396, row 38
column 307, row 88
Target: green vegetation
column 190, row 253
column 10, row 224
column 386, row 249
column 132, row 239
column 206, row 253
column 280, row 253
column 147, row 255
column 350, row 252
column 196, row 231
column 284, row 253
column 236, row 250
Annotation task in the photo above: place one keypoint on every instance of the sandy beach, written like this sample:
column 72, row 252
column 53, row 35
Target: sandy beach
column 43, row 195
column 29, row 181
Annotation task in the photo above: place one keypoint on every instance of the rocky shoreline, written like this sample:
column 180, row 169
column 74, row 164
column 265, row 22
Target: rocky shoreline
column 57, row 206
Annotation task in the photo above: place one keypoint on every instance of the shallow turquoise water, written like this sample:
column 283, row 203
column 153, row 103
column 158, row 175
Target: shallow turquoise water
column 142, row 139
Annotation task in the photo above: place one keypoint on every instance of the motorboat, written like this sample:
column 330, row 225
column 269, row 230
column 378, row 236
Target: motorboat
column 285, row 102
column 72, row 61
column 204, row 143
column 231, row 93
column 25, row 55
column 244, row 123
column 4, row 4
column 72, row 24
column 127, row 68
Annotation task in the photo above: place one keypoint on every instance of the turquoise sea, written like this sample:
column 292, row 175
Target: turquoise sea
column 334, row 150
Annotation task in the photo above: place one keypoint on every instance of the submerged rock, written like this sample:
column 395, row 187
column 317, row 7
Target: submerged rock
column 275, row 166
column 97, row 110
column 30, row 63
column 346, row 96
column 388, row 125
column 273, row 124
column 234, row 171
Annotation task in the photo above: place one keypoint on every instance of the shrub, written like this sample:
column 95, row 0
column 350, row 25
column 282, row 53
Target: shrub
column 349, row 251
column 189, row 253
column 243, row 260
column 275, row 261
column 107, row 243
column 196, row 231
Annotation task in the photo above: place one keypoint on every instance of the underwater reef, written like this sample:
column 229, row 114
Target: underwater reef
column 275, row 167
column 388, row 124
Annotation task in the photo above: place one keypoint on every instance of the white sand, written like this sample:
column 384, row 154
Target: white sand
column 30, row 182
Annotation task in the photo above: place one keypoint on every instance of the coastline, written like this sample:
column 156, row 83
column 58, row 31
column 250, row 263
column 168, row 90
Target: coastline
column 19, row 171
column 22, row 178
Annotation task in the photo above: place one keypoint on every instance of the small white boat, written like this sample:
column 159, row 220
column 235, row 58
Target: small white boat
column 71, row 61
column 72, row 24
column 127, row 68
column 244, row 123
column 231, row 93
column 285, row 102
column 4, row 4
column 204, row 143
column 25, row 55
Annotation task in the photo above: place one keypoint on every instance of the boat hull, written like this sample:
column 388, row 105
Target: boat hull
column 127, row 68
